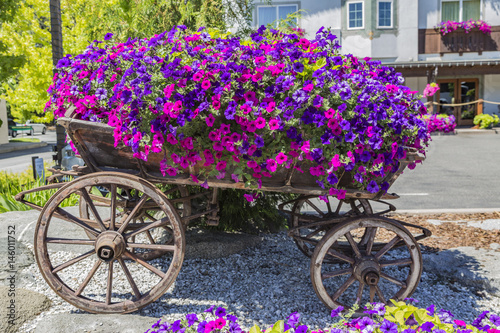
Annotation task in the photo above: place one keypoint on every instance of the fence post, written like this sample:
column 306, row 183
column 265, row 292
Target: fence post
column 479, row 106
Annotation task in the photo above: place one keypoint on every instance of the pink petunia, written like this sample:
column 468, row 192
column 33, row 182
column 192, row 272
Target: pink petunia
column 260, row 123
column 171, row 139
column 220, row 323
column 169, row 90
column 273, row 124
column 281, row 158
column 206, row 84
column 221, row 166
column 271, row 165
column 210, row 120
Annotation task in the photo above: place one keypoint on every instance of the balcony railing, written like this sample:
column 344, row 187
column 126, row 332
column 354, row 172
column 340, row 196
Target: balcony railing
column 431, row 41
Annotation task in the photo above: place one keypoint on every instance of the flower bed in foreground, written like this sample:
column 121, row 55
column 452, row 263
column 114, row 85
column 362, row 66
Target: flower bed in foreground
column 247, row 108
column 400, row 318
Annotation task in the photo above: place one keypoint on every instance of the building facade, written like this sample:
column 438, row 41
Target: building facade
column 402, row 34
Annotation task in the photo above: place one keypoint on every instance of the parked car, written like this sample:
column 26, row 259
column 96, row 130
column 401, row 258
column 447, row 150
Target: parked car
column 37, row 128
column 11, row 124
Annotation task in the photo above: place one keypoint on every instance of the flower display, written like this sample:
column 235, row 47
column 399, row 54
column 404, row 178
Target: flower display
column 440, row 123
column 245, row 109
column 450, row 26
column 402, row 317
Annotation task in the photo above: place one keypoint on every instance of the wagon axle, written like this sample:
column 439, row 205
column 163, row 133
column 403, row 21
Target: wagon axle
column 110, row 245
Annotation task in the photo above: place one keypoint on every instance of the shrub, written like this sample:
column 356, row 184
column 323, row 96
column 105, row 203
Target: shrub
column 400, row 318
column 486, row 120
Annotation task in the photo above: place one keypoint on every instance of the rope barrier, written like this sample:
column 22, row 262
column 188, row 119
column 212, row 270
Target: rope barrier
column 461, row 104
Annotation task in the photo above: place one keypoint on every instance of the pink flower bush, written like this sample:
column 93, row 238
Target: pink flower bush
column 243, row 110
column 440, row 123
column 449, row 26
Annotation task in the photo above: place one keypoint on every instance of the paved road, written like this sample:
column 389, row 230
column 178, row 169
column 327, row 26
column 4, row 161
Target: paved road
column 461, row 171
column 20, row 160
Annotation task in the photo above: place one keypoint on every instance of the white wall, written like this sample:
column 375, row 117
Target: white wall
column 4, row 130
column 407, row 45
column 428, row 14
column 385, row 46
column 491, row 93
column 491, row 12
column 357, row 45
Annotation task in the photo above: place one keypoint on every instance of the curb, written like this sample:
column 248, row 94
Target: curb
column 475, row 131
column 447, row 211
column 15, row 146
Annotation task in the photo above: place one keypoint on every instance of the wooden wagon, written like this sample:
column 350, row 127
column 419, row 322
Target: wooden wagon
column 132, row 222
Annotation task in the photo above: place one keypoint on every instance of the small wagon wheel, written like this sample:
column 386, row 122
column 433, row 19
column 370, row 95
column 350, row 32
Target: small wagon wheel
column 128, row 197
column 102, row 277
column 308, row 211
column 366, row 274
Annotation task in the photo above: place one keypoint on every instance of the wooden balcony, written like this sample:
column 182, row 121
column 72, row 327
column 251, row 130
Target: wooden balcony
column 431, row 41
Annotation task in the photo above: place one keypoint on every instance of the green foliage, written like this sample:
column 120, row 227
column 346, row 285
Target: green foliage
column 486, row 120
column 261, row 215
column 13, row 183
column 25, row 140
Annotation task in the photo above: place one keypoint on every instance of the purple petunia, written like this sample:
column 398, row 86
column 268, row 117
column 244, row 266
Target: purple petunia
column 388, row 327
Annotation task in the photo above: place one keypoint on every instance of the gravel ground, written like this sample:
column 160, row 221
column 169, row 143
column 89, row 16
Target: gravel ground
column 260, row 285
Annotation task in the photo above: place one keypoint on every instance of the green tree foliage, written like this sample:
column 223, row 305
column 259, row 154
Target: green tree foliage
column 9, row 64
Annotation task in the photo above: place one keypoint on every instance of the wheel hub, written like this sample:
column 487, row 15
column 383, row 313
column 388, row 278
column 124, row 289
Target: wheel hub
column 367, row 270
column 110, row 245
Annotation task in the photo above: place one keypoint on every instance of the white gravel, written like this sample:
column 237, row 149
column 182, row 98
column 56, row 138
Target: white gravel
column 260, row 285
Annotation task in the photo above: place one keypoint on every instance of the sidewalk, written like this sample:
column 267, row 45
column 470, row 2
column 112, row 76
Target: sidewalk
column 15, row 146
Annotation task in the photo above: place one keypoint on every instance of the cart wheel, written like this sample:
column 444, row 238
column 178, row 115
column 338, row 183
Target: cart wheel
column 367, row 275
column 309, row 210
column 99, row 275
column 126, row 196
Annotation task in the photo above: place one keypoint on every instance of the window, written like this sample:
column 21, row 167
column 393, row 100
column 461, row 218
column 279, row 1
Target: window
column 271, row 14
column 355, row 11
column 460, row 10
column 385, row 14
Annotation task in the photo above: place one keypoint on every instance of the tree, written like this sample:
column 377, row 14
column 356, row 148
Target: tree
column 9, row 64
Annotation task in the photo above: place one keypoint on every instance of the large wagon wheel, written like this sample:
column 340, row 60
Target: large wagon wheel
column 102, row 277
column 127, row 197
column 308, row 213
column 388, row 266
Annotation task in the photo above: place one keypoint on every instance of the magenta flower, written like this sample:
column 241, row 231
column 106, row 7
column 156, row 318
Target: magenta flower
column 206, row 84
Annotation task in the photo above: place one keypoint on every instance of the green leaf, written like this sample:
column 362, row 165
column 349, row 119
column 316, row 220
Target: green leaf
column 255, row 329
column 279, row 326
column 399, row 315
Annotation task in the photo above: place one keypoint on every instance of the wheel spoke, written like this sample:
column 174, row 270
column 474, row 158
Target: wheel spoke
column 73, row 261
column 137, row 207
column 340, row 256
column 145, row 264
column 387, row 247
column 354, row 246
column 380, row 295
column 314, row 233
column 163, row 247
column 371, row 240
column 112, row 208
column 393, row 280
column 93, row 208
column 372, row 293
column 337, row 211
column 319, row 211
column 110, row 282
column 359, row 294
column 131, row 281
column 149, row 226
column 70, row 241
column 336, row 273
column 343, row 288
column 148, row 234
column 88, row 277
column 396, row 262
column 67, row 216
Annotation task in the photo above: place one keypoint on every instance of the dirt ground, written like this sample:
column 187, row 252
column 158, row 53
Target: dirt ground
column 453, row 232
